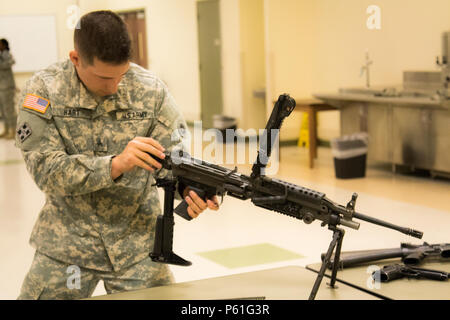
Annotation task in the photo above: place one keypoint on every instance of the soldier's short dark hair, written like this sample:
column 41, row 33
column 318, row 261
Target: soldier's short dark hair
column 104, row 35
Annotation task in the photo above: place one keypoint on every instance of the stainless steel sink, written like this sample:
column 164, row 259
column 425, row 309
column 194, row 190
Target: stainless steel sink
column 412, row 94
column 379, row 92
column 392, row 92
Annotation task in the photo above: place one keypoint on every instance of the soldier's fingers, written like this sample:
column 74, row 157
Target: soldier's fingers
column 152, row 142
column 193, row 206
column 147, row 158
column 212, row 205
column 148, row 148
column 215, row 203
column 139, row 163
column 197, row 200
column 191, row 213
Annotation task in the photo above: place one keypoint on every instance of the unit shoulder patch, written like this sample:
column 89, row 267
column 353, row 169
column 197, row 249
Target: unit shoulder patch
column 23, row 132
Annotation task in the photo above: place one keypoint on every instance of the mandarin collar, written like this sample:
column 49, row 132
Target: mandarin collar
column 119, row 100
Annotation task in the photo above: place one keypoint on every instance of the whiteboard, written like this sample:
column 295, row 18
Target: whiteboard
column 32, row 40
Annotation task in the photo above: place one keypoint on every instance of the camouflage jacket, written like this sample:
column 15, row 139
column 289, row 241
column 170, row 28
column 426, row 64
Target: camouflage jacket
column 68, row 142
column 6, row 74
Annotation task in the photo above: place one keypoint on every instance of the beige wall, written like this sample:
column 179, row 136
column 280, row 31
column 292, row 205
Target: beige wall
column 92, row 5
column 319, row 45
column 252, row 56
column 290, row 54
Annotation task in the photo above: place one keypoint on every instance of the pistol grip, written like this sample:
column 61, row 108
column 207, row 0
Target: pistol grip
column 181, row 209
column 413, row 258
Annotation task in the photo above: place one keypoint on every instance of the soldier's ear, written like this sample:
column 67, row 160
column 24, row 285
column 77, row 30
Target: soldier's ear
column 75, row 58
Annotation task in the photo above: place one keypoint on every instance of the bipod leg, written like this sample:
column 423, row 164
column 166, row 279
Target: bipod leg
column 336, row 236
column 337, row 257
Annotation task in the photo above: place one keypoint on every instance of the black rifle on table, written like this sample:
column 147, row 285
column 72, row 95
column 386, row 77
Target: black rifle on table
column 208, row 179
column 398, row 271
column 410, row 254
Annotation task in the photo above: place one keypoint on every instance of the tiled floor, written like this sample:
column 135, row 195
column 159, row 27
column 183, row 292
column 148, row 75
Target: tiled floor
column 419, row 202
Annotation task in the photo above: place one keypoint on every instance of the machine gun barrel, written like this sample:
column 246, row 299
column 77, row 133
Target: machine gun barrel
column 407, row 231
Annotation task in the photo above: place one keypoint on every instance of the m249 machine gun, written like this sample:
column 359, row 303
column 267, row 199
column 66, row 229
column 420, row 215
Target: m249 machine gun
column 208, row 179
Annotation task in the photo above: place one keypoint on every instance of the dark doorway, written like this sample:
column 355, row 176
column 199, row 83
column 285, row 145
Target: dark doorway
column 135, row 20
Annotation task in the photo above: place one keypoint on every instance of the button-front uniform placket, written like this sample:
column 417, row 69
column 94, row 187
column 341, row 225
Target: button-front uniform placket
column 100, row 141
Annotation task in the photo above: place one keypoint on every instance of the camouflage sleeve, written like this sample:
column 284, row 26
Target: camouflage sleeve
column 170, row 128
column 53, row 170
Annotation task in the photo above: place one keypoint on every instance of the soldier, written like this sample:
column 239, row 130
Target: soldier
column 7, row 90
column 86, row 127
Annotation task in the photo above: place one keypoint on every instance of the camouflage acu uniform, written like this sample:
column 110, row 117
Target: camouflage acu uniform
column 88, row 219
column 7, row 89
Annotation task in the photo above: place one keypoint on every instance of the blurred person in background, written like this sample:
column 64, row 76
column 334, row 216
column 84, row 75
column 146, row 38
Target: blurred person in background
column 7, row 90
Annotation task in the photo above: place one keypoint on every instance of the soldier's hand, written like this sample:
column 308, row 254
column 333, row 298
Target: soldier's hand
column 197, row 205
column 136, row 154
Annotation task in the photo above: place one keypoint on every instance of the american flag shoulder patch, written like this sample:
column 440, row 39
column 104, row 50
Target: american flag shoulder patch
column 36, row 103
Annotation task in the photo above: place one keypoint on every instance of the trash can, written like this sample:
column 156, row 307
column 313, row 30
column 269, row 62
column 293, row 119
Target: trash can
column 223, row 123
column 350, row 153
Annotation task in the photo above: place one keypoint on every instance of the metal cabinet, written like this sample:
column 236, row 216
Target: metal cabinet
column 379, row 128
column 353, row 118
column 375, row 119
column 412, row 135
column 440, row 145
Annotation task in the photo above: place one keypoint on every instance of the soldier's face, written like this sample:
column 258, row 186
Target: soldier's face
column 100, row 78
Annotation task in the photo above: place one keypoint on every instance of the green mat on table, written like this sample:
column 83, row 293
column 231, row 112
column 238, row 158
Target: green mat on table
column 249, row 255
